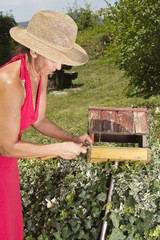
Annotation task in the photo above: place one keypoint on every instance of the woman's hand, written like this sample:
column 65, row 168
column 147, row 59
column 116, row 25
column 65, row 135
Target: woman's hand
column 84, row 139
column 69, row 150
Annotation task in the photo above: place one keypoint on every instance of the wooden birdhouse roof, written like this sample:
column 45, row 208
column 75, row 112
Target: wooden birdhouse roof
column 114, row 121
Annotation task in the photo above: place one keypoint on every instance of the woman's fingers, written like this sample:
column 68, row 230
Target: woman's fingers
column 84, row 138
column 83, row 150
column 70, row 150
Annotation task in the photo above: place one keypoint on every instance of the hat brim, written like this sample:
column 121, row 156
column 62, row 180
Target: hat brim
column 74, row 57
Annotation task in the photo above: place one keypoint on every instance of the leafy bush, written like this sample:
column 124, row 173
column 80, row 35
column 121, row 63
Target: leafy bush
column 6, row 43
column 136, row 201
column 136, row 43
column 79, row 190
column 91, row 39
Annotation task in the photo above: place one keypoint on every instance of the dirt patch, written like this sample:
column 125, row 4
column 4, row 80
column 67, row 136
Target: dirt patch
column 58, row 93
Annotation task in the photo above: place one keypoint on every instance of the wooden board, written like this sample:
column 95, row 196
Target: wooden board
column 121, row 154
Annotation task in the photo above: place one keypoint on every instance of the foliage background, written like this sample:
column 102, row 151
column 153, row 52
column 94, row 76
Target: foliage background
column 136, row 48
column 6, row 43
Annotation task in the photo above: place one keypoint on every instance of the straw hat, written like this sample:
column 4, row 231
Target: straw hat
column 52, row 34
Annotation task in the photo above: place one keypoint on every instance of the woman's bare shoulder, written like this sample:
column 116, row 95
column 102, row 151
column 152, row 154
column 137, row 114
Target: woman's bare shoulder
column 11, row 84
column 10, row 74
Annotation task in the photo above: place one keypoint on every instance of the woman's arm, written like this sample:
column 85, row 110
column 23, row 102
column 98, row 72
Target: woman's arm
column 11, row 100
column 48, row 128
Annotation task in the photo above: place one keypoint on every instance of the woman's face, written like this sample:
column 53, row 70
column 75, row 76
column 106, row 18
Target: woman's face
column 44, row 66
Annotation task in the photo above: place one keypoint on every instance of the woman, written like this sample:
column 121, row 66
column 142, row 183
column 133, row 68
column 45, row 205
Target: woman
column 50, row 41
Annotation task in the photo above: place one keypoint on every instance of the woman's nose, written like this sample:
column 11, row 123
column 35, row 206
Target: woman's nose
column 58, row 66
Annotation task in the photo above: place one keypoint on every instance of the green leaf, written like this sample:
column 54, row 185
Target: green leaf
column 101, row 197
column 30, row 224
column 132, row 219
column 66, row 231
column 158, row 218
column 70, row 197
column 81, row 235
column 96, row 212
column 117, row 234
column 57, row 235
column 147, row 218
column 45, row 237
column 30, row 238
column 88, row 223
column 40, row 237
column 94, row 232
column 115, row 217
column 75, row 225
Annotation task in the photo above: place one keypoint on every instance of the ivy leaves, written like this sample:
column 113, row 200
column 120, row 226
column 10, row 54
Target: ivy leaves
column 81, row 189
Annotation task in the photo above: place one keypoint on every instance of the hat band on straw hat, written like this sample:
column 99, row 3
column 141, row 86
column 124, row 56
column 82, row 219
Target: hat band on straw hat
column 62, row 49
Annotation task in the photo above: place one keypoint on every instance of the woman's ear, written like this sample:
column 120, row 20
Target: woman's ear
column 33, row 54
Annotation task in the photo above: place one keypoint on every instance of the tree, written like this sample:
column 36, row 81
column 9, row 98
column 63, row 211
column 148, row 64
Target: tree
column 137, row 43
column 84, row 17
column 6, row 43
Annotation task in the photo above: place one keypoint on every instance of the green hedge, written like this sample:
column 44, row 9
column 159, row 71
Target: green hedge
column 80, row 191
column 136, row 202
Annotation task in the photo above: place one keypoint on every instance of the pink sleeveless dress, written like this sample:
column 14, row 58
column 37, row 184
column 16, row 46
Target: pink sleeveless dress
column 11, row 222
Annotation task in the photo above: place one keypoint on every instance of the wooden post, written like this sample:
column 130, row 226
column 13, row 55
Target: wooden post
column 92, row 137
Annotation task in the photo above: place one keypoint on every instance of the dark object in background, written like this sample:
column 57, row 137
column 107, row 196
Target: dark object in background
column 106, row 39
column 61, row 79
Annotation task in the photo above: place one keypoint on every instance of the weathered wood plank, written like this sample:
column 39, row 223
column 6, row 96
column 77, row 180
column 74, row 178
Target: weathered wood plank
column 140, row 123
column 125, row 122
column 94, row 121
column 109, row 121
column 118, row 121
